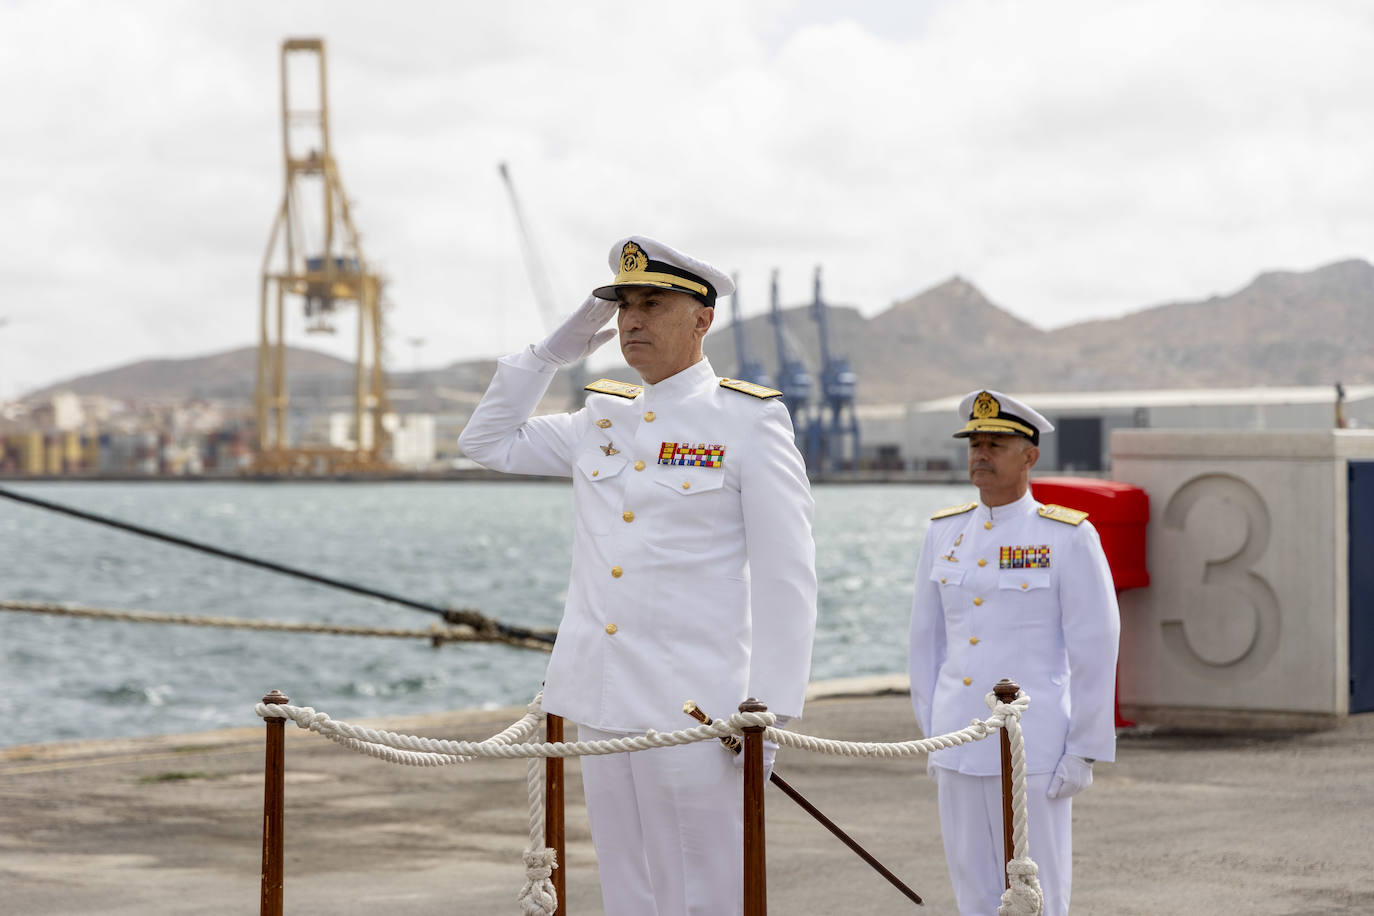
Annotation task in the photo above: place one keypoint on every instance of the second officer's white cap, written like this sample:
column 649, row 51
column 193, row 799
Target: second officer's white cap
column 986, row 411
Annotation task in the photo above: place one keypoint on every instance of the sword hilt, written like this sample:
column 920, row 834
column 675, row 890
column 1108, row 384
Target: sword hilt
column 693, row 710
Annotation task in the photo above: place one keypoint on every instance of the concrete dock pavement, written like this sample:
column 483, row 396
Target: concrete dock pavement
column 1276, row 824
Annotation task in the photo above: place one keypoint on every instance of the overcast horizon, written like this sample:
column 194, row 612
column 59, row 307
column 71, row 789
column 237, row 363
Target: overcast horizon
column 1073, row 160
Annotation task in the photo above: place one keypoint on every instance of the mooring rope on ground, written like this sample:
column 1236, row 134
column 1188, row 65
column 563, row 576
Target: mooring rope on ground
column 454, row 616
column 436, row 634
column 1022, row 898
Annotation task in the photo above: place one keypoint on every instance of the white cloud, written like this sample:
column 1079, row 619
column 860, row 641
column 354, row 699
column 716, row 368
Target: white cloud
column 1073, row 158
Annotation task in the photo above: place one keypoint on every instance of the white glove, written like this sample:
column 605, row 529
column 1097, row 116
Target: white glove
column 770, row 750
column 1071, row 776
column 579, row 335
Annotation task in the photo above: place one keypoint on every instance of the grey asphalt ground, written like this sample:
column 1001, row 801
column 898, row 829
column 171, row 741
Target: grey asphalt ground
column 1181, row 823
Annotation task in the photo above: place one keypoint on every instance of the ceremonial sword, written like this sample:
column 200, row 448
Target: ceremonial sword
column 733, row 744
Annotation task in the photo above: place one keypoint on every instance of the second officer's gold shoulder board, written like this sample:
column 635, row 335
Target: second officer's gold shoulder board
column 758, row 391
column 954, row 510
column 619, row 389
column 1062, row 514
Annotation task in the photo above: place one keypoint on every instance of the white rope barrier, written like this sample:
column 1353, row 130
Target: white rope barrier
column 519, row 740
column 415, row 750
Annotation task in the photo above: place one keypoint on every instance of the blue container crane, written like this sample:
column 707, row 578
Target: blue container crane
column 793, row 380
column 832, row 442
column 746, row 367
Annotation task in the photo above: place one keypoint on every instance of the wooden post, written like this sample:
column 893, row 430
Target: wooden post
column 273, row 809
column 553, row 811
column 1006, row 691
column 755, row 862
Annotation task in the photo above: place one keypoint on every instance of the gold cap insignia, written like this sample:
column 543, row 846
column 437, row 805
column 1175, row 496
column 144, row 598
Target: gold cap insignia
column 985, row 407
column 633, row 259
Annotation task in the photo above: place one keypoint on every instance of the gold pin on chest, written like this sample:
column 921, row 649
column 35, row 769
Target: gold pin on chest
column 610, row 450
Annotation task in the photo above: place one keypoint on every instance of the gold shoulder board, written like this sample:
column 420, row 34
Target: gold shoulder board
column 619, row 389
column 954, row 510
column 758, row 391
column 1062, row 514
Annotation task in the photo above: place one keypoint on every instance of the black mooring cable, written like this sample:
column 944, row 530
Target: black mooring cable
column 472, row 618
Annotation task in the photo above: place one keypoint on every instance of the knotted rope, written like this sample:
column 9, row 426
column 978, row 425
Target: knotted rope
column 1023, row 896
column 537, row 897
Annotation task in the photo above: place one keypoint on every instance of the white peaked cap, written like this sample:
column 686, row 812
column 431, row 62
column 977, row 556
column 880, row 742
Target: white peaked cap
column 642, row 261
column 986, row 411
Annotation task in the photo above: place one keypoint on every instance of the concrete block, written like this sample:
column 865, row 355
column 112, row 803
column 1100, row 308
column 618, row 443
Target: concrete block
column 1247, row 610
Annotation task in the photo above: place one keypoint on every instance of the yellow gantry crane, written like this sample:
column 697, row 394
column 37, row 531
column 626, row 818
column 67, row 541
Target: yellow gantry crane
column 314, row 256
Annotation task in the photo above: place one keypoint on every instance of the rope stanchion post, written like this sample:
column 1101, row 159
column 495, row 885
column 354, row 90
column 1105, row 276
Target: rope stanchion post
column 755, row 860
column 273, row 810
column 553, row 812
column 1006, row 691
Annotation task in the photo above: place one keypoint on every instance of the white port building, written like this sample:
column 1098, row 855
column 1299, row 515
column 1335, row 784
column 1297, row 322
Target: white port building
column 917, row 436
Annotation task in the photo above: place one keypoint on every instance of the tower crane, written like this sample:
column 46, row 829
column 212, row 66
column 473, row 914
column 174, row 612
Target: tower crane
column 833, row 441
column 319, row 261
column 793, row 380
column 539, row 280
column 746, row 367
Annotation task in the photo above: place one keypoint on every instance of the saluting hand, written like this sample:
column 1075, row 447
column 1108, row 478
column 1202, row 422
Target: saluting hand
column 581, row 334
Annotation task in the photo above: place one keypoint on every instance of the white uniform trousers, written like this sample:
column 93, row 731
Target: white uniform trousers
column 668, row 828
column 971, row 827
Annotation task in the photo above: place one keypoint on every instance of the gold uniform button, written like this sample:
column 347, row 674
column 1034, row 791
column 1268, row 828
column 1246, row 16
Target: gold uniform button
column 987, row 526
column 977, row 602
column 686, row 485
column 649, row 417
column 617, row 572
column 942, row 580
column 604, row 424
column 967, row 681
column 639, row 465
column 1024, row 585
column 982, row 562
column 628, row 516
column 973, row 640
column 611, row 629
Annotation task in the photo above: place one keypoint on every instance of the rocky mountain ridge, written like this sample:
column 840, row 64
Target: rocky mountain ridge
column 1283, row 328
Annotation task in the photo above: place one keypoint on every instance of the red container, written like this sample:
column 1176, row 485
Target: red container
column 1119, row 512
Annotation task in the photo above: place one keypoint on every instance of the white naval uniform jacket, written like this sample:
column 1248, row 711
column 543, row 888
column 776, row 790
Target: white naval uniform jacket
column 1053, row 630
column 688, row 582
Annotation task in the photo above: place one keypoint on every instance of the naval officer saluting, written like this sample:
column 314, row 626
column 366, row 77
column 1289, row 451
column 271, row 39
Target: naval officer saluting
column 1007, row 587
column 693, row 573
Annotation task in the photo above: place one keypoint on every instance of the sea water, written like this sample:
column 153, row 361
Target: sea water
column 503, row 548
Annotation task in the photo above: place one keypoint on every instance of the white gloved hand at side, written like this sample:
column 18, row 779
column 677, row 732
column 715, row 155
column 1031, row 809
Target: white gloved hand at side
column 770, row 750
column 582, row 333
column 1071, row 776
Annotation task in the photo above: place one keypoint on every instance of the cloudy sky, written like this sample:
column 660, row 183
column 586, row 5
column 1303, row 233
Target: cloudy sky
column 1072, row 158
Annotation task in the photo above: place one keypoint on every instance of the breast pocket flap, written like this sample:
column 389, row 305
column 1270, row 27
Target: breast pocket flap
column 1024, row 580
column 692, row 481
column 596, row 467
column 947, row 575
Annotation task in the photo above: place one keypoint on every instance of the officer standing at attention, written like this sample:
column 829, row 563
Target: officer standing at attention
column 1007, row 587
column 693, row 573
